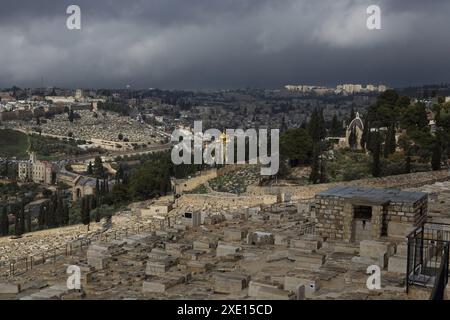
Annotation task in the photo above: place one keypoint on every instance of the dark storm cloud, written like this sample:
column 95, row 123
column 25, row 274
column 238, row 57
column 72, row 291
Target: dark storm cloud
column 223, row 43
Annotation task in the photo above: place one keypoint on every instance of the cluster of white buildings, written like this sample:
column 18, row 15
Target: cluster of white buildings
column 340, row 89
column 359, row 88
column 79, row 96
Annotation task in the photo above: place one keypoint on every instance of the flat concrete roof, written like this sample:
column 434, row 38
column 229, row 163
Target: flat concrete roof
column 373, row 195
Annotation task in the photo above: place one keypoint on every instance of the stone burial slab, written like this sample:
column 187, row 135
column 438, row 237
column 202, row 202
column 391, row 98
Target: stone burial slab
column 230, row 282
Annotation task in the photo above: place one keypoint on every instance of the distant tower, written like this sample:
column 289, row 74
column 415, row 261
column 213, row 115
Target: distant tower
column 79, row 94
column 223, row 146
column 94, row 106
column 33, row 157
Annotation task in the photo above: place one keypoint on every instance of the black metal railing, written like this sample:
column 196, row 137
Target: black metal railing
column 441, row 277
column 308, row 228
column 428, row 257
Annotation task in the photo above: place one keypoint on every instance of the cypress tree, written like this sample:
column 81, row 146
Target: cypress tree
column 4, row 222
column 59, row 211
column 29, row 227
column 352, row 114
column 41, row 218
column 97, row 187
column 365, row 135
column 119, row 174
column 97, row 214
column 323, row 172
column 94, row 204
column 51, row 220
column 17, row 225
column 436, row 156
column 315, row 169
column 66, row 217
column 335, row 127
column 85, row 212
column 125, row 179
column 376, row 165
column 313, row 126
column 408, row 161
column 322, row 132
column 352, row 139
column 22, row 218
column 90, row 170
column 390, row 143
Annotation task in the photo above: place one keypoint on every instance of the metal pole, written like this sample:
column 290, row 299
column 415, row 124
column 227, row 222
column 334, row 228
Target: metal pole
column 421, row 245
column 407, row 264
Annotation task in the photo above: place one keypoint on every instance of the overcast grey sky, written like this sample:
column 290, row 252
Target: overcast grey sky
column 206, row 44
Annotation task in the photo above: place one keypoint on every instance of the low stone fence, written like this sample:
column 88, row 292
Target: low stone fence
column 410, row 180
column 23, row 264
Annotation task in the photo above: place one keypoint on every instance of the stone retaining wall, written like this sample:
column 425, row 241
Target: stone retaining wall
column 410, row 180
column 221, row 201
column 183, row 185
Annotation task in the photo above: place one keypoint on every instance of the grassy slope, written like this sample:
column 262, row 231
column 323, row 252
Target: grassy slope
column 13, row 144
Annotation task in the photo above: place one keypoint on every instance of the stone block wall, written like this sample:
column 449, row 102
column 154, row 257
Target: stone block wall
column 409, row 213
column 332, row 215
